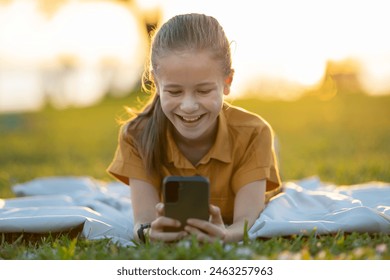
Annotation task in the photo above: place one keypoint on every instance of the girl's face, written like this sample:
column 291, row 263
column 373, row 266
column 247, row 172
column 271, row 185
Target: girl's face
column 191, row 86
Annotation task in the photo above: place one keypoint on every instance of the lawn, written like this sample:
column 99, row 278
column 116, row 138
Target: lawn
column 344, row 140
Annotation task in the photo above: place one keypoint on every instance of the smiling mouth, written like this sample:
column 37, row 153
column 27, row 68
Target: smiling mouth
column 190, row 119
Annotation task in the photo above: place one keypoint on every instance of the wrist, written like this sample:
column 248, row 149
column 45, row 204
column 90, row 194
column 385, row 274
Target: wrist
column 141, row 231
column 234, row 234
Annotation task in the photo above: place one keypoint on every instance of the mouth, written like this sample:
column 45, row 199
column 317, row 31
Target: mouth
column 190, row 119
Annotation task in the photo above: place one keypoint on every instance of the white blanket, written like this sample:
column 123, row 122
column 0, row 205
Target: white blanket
column 103, row 210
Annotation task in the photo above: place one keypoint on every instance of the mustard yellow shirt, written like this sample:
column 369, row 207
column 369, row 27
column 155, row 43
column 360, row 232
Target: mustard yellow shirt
column 243, row 152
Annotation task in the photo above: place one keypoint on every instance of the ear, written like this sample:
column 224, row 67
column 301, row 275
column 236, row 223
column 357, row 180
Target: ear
column 228, row 82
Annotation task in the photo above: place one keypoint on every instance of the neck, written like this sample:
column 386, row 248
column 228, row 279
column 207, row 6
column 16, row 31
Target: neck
column 195, row 149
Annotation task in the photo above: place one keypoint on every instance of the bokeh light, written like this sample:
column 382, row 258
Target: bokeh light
column 283, row 47
column 80, row 51
column 72, row 57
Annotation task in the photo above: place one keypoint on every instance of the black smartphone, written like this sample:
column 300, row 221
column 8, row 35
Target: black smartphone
column 186, row 197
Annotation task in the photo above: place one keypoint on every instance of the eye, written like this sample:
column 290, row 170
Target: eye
column 204, row 91
column 174, row 92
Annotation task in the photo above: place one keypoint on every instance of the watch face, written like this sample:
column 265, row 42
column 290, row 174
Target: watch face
column 144, row 226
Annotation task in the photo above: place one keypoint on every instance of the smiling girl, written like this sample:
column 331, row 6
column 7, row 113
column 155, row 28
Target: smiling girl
column 188, row 129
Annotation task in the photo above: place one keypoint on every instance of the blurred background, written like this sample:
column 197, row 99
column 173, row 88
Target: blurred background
column 75, row 52
column 318, row 71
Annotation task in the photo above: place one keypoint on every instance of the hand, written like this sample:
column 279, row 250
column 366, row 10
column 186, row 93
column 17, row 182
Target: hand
column 157, row 233
column 208, row 231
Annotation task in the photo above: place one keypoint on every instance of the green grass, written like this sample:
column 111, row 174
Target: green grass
column 330, row 247
column 344, row 140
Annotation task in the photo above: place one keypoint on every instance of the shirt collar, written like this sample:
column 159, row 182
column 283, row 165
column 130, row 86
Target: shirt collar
column 221, row 150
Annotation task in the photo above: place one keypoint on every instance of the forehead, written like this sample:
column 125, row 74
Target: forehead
column 188, row 65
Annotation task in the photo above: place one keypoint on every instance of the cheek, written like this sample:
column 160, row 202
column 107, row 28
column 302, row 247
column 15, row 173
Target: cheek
column 215, row 104
column 167, row 104
column 165, row 109
column 163, row 102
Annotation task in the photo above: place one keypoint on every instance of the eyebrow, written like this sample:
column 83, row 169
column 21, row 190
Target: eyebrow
column 198, row 85
column 206, row 84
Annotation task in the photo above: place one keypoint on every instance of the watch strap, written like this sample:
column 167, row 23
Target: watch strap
column 141, row 233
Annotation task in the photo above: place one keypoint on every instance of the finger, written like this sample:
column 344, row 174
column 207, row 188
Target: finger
column 161, row 222
column 207, row 228
column 160, row 209
column 215, row 213
column 200, row 235
column 194, row 231
column 201, row 224
column 157, row 232
column 167, row 236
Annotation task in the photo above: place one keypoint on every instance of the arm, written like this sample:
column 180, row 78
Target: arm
column 148, row 209
column 252, row 194
column 143, row 199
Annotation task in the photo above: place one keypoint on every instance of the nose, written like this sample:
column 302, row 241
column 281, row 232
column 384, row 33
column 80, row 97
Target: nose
column 189, row 103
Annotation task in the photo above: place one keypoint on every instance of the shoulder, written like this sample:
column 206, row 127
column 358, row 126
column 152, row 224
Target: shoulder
column 238, row 117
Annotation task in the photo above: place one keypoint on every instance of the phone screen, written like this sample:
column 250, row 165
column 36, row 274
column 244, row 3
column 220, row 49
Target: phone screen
column 186, row 197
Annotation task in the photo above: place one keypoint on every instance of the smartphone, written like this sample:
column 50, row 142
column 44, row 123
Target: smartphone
column 186, row 197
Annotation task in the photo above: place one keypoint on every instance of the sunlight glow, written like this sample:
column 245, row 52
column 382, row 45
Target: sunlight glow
column 21, row 53
column 293, row 40
column 17, row 43
column 91, row 31
column 98, row 37
column 74, row 57
column 146, row 5
column 280, row 48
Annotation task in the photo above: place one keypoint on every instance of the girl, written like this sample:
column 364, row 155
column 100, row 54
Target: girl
column 188, row 129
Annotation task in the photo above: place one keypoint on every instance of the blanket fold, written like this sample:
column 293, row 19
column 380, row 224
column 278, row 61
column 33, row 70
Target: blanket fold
column 103, row 210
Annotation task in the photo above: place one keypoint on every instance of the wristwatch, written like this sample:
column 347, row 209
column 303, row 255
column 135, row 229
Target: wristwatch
column 141, row 233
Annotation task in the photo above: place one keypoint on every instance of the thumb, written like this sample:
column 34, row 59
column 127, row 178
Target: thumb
column 160, row 209
column 215, row 214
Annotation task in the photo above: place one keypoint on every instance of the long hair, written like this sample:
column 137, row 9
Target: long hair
column 188, row 32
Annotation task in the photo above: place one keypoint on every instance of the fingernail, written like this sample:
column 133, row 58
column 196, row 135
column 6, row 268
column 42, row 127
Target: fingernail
column 159, row 206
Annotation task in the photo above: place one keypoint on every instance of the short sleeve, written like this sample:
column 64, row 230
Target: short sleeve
column 258, row 161
column 127, row 162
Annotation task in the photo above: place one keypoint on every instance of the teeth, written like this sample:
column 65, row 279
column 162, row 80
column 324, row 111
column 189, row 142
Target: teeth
column 187, row 119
